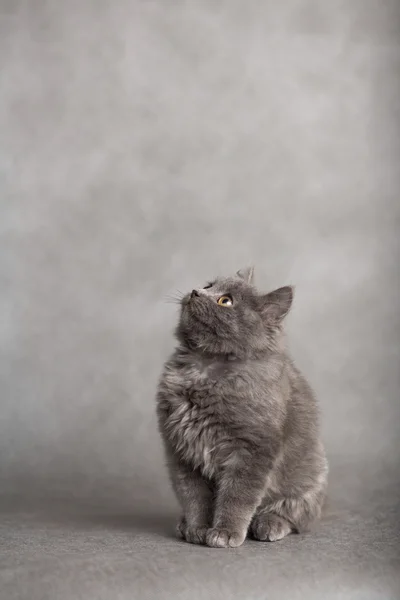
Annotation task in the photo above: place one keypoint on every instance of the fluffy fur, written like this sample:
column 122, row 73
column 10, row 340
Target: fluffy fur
column 238, row 420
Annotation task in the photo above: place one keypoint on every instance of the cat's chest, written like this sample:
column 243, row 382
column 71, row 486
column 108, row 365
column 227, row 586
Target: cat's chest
column 195, row 381
column 193, row 424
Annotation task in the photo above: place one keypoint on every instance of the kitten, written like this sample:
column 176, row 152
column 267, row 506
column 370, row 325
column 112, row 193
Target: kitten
column 238, row 420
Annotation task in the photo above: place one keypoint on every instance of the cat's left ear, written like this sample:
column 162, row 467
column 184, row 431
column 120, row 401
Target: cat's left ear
column 276, row 305
column 247, row 274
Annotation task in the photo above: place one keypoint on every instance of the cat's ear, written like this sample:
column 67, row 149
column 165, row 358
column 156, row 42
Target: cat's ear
column 247, row 274
column 276, row 305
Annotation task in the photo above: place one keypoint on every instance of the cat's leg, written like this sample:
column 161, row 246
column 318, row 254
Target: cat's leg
column 302, row 511
column 195, row 497
column 269, row 527
column 275, row 520
column 239, row 492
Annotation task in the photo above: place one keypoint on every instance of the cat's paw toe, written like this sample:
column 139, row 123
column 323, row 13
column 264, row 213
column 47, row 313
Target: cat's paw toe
column 180, row 528
column 196, row 535
column 193, row 535
column 223, row 538
column 270, row 528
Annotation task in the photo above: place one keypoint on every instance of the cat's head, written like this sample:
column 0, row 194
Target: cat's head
column 228, row 316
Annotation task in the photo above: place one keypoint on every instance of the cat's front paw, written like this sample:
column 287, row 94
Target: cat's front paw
column 270, row 527
column 224, row 538
column 193, row 535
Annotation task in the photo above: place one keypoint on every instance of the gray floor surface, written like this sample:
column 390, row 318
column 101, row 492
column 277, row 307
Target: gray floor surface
column 87, row 548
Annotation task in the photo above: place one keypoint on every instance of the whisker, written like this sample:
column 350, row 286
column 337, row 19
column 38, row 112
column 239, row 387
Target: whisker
column 173, row 298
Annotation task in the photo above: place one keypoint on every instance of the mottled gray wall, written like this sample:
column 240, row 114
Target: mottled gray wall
column 146, row 146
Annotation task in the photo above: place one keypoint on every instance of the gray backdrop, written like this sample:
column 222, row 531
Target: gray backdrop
column 147, row 146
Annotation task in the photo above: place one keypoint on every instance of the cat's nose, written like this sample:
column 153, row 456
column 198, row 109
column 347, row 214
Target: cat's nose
column 194, row 293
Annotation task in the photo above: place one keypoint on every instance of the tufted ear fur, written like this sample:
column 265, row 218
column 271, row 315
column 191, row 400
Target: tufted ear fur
column 247, row 274
column 276, row 305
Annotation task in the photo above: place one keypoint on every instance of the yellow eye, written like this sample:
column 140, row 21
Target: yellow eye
column 225, row 301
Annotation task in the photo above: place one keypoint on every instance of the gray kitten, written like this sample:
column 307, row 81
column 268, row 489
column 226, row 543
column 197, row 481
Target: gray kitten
column 238, row 420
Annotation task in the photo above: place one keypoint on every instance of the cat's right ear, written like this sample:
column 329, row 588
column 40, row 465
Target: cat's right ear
column 247, row 274
column 276, row 305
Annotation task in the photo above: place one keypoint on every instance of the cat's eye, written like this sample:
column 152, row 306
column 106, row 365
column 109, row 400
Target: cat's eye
column 225, row 300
